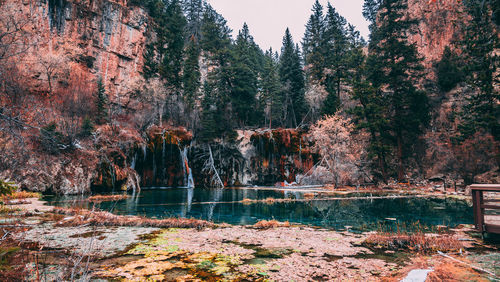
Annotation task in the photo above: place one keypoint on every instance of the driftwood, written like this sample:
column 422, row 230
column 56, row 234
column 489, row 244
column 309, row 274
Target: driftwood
column 210, row 168
column 470, row 265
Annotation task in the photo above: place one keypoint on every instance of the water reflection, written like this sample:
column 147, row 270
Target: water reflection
column 227, row 205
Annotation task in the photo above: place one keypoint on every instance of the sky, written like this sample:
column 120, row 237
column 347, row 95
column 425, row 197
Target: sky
column 268, row 19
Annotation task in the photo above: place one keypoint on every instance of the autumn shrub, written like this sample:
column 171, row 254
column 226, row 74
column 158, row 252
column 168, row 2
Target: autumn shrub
column 107, row 198
column 87, row 217
column 20, row 195
column 416, row 242
column 7, row 188
column 268, row 224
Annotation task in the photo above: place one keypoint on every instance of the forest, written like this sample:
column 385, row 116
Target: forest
column 145, row 140
column 379, row 106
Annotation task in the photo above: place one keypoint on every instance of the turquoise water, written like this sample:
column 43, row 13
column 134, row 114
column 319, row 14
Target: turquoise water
column 224, row 206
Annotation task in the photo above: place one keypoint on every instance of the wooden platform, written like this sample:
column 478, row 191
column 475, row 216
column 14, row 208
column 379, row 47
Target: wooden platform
column 486, row 223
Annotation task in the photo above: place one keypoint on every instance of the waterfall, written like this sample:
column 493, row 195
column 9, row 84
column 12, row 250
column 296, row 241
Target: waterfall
column 154, row 164
column 113, row 176
column 144, row 151
column 164, row 172
column 188, row 173
column 134, row 161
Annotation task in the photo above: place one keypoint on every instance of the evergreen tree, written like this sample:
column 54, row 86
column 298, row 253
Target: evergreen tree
column 101, row 104
column 370, row 11
column 210, row 116
column 193, row 9
column 215, row 34
column 448, row 71
column 191, row 74
column 292, row 79
column 336, row 43
column 216, row 42
column 394, row 69
column 313, row 45
column 479, row 48
column 170, row 31
column 150, row 67
column 271, row 94
column 244, row 78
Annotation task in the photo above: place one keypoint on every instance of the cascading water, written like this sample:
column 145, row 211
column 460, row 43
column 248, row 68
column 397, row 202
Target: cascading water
column 164, row 171
column 188, row 173
column 134, row 161
column 144, row 151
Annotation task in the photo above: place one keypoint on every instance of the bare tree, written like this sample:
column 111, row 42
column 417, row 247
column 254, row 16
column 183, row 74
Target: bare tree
column 53, row 65
column 15, row 36
column 333, row 140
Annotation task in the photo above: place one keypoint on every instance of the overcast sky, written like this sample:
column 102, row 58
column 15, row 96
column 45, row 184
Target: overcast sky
column 268, row 19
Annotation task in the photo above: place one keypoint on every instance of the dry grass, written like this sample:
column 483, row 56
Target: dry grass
column 309, row 195
column 19, row 196
column 17, row 202
column 6, row 210
column 247, row 201
column 86, row 217
column 418, row 242
column 265, row 224
column 107, row 198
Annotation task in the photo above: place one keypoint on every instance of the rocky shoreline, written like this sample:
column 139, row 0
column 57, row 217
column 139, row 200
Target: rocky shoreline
column 225, row 252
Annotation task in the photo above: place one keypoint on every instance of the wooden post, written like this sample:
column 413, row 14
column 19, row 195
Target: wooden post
column 479, row 207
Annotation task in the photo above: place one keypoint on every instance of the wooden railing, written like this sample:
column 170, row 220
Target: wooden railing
column 480, row 205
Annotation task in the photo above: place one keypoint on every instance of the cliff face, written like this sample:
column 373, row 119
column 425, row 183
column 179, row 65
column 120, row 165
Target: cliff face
column 439, row 24
column 100, row 37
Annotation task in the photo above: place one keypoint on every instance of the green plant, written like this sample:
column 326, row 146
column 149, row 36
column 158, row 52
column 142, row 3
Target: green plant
column 7, row 188
column 87, row 127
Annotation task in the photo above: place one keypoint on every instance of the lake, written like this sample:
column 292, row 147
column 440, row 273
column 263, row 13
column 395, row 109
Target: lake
column 244, row 206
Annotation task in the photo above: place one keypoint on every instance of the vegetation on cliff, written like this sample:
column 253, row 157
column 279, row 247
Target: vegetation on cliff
column 96, row 98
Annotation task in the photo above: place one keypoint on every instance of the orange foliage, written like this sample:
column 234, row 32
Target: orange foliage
column 86, row 217
column 265, row 224
column 417, row 242
column 107, row 198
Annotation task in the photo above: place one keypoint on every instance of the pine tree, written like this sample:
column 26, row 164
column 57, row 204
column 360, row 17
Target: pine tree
column 394, row 69
column 271, row 94
column 336, row 42
column 170, row 30
column 216, row 42
column 448, row 71
column 479, row 46
column 191, row 74
column 215, row 34
column 292, row 79
column 101, row 104
column 245, row 79
column 193, row 9
column 150, row 67
column 209, row 121
column 313, row 44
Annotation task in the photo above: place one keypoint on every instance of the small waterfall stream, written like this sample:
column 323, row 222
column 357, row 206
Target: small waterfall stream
column 188, row 173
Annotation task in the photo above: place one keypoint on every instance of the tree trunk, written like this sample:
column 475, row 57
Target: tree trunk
column 381, row 164
column 401, row 172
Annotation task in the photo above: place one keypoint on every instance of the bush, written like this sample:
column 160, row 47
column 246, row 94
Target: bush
column 87, row 127
column 50, row 138
column 7, row 188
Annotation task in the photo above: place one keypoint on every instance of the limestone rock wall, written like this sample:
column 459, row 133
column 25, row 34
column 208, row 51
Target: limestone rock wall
column 100, row 37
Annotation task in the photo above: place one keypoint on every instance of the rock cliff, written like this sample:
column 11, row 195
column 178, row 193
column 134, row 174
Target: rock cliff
column 102, row 38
